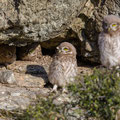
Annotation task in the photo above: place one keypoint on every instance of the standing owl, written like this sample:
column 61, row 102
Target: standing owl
column 63, row 68
column 109, row 42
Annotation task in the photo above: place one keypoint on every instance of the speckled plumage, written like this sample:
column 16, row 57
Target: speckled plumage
column 63, row 68
column 7, row 54
column 109, row 42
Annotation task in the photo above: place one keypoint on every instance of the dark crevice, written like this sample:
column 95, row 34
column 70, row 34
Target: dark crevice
column 81, row 61
column 17, row 4
column 103, row 2
column 49, row 52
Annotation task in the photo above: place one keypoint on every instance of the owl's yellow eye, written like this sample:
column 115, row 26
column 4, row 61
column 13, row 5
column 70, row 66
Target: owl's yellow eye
column 114, row 25
column 66, row 49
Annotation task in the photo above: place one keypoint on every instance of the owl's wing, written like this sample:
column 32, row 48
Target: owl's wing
column 56, row 73
column 101, row 41
column 101, row 38
column 56, row 67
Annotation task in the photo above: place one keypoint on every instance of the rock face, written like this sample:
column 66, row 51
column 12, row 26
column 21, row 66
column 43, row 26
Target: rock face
column 7, row 77
column 35, row 20
column 29, row 74
column 20, row 83
column 13, row 98
column 88, row 25
column 28, row 21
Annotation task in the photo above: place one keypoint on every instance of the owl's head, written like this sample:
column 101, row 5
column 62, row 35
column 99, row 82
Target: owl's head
column 66, row 48
column 111, row 23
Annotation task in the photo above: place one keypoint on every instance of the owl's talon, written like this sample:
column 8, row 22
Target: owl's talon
column 117, row 67
column 54, row 89
column 64, row 90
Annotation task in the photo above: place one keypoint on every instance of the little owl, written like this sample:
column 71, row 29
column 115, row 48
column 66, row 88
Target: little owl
column 63, row 68
column 109, row 42
column 7, row 54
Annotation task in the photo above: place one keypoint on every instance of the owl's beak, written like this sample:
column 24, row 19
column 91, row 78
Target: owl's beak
column 58, row 49
column 109, row 29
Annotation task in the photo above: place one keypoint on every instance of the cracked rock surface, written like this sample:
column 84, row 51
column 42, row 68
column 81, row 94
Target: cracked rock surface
column 52, row 21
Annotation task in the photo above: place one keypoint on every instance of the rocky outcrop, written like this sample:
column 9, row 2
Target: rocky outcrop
column 26, row 21
column 7, row 77
column 20, row 83
column 78, row 21
column 88, row 25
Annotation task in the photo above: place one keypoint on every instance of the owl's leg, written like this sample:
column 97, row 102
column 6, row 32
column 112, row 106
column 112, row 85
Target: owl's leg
column 117, row 67
column 6, row 65
column 100, row 66
column 55, row 88
column 64, row 90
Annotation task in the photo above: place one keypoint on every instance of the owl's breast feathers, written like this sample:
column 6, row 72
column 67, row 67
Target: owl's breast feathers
column 69, row 65
column 63, row 70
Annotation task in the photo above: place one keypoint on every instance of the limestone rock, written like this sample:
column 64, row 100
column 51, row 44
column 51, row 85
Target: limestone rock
column 61, row 99
column 31, row 81
column 29, row 74
column 7, row 77
column 14, row 98
column 29, row 67
column 28, row 21
column 6, row 118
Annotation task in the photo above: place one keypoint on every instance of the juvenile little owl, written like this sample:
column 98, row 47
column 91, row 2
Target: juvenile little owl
column 63, row 68
column 109, row 42
column 7, row 54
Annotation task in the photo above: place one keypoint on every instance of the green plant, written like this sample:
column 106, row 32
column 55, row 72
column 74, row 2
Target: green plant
column 41, row 110
column 98, row 94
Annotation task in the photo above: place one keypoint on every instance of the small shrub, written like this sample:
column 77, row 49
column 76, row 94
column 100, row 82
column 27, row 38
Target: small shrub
column 41, row 110
column 98, row 94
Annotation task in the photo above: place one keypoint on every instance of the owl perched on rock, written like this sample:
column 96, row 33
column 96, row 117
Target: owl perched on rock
column 109, row 42
column 63, row 68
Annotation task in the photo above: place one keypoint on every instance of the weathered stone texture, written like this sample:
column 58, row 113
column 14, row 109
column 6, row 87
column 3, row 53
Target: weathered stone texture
column 36, row 20
column 7, row 77
column 28, row 21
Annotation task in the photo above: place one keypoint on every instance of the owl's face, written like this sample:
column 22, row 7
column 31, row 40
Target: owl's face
column 111, row 23
column 111, row 27
column 66, row 48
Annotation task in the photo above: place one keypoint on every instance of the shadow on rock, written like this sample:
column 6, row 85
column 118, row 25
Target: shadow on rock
column 37, row 71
